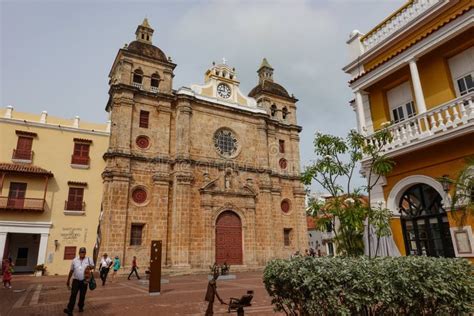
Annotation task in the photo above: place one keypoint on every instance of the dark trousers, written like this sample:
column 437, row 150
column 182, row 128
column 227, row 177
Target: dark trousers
column 103, row 274
column 134, row 269
column 81, row 287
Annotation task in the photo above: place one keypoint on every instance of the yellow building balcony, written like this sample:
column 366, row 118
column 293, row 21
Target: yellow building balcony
column 22, row 204
column 448, row 119
column 22, row 155
column 76, row 206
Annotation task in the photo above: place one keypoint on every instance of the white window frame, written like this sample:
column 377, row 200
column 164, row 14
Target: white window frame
column 461, row 66
column 463, row 77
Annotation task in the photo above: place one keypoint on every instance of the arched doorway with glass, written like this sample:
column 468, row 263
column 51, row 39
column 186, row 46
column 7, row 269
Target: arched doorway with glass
column 425, row 222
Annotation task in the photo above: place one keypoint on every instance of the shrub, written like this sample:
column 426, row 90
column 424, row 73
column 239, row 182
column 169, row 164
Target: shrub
column 361, row 286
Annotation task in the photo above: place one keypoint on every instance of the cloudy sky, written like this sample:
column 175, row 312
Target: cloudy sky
column 56, row 55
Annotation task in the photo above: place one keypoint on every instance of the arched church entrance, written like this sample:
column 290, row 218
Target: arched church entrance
column 425, row 223
column 228, row 238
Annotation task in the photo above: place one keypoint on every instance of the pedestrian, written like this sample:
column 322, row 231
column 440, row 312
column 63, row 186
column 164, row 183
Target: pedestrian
column 211, row 293
column 134, row 268
column 312, row 253
column 306, row 253
column 7, row 271
column 116, row 267
column 105, row 264
column 81, row 270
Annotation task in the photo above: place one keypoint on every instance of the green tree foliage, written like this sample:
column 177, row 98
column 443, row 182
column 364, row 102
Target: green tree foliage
column 333, row 170
column 462, row 201
column 381, row 286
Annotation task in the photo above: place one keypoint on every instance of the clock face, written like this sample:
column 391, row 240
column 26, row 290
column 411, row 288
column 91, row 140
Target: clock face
column 223, row 90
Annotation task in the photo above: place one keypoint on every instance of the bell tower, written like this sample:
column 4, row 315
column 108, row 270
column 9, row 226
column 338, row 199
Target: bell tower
column 144, row 32
column 140, row 107
column 265, row 72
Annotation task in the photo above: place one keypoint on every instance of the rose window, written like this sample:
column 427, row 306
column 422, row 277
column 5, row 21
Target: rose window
column 225, row 142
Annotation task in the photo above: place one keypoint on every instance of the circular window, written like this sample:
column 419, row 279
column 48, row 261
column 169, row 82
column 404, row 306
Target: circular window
column 285, row 206
column 143, row 141
column 139, row 195
column 283, row 163
column 226, row 142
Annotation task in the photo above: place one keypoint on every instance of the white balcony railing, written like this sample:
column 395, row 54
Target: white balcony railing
column 396, row 21
column 137, row 85
column 451, row 116
column 327, row 235
column 154, row 89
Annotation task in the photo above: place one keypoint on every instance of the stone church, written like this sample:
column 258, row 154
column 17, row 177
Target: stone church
column 209, row 171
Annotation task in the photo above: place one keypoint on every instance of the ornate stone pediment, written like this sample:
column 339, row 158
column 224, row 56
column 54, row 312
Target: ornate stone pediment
column 229, row 185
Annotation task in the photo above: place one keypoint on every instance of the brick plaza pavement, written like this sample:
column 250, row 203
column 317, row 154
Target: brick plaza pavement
column 183, row 295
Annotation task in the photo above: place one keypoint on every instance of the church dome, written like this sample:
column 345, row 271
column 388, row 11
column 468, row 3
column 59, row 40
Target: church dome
column 270, row 87
column 147, row 50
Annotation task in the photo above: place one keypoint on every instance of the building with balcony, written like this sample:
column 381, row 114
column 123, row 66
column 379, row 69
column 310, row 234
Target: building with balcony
column 413, row 74
column 50, row 188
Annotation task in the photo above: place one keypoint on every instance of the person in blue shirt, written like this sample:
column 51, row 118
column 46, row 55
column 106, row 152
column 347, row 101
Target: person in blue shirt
column 116, row 267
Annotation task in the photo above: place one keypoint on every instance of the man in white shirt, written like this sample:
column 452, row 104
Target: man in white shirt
column 81, row 268
column 105, row 264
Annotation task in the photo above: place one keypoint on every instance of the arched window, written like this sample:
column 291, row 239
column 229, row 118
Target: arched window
column 155, row 81
column 273, row 110
column 425, row 223
column 137, row 78
column 285, row 113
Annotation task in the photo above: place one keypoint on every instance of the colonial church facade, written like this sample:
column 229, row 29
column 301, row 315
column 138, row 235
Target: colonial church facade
column 209, row 171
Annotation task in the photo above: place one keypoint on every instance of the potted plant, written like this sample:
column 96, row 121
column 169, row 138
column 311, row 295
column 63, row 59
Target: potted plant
column 40, row 269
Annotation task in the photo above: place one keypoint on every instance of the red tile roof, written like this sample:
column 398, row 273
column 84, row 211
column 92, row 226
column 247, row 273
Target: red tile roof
column 310, row 222
column 24, row 168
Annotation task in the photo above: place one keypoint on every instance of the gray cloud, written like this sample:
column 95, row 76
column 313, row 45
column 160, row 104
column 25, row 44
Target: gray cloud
column 58, row 57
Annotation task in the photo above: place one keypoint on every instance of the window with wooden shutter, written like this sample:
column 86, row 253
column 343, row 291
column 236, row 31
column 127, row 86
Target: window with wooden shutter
column 144, row 118
column 69, row 252
column 80, row 154
column 286, row 236
column 136, row 234
column 281, row 145
column 23, row 148
column 16, row 195
column 75, row 199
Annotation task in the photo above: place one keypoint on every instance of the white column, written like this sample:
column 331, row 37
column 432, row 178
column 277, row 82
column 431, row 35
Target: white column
column 3, row 240
column 42, row 248
column 360, row 111
column 415, row 78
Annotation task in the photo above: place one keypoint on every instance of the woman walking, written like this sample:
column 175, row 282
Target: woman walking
column 7, row 271
column 134, row 268
column 116, row 267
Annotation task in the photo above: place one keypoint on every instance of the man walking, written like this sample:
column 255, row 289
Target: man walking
column 105, row 264
column 81, row 269
column 134, row 268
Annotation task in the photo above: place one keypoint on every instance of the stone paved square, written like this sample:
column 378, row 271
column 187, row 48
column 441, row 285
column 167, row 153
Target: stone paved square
column 183, row 295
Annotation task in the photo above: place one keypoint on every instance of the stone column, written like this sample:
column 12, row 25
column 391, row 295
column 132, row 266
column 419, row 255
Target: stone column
column 159, row 223
column 262, row 151
column 360, row 111
column 415, row 78
column 42, row 248
column 180, row 219
column 299, row 195
column 121, row 127
column 295, row 153
column 183, row 133
column 3, row 240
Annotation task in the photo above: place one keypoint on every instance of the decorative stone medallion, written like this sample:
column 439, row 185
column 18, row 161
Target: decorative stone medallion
column 143, row 142
column 139, row 195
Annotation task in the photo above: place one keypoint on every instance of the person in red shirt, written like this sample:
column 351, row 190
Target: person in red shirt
column 134, row 268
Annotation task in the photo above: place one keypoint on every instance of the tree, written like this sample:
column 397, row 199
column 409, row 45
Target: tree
column 333, row 169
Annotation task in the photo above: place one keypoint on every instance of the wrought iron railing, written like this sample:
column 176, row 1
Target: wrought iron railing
column 22, row 154
column 74, row 205
column 79, row 160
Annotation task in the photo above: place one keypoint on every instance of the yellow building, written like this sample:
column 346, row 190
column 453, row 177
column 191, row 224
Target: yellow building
column 415, row 70
column 50, row 188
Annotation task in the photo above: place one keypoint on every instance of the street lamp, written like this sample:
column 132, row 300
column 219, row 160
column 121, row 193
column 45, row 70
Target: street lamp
column 445, row 182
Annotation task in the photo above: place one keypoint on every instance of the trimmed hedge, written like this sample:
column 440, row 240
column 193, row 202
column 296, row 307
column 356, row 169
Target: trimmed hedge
column 361, row 286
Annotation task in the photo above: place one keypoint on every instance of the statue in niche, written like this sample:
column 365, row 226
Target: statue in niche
column 227, row 180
